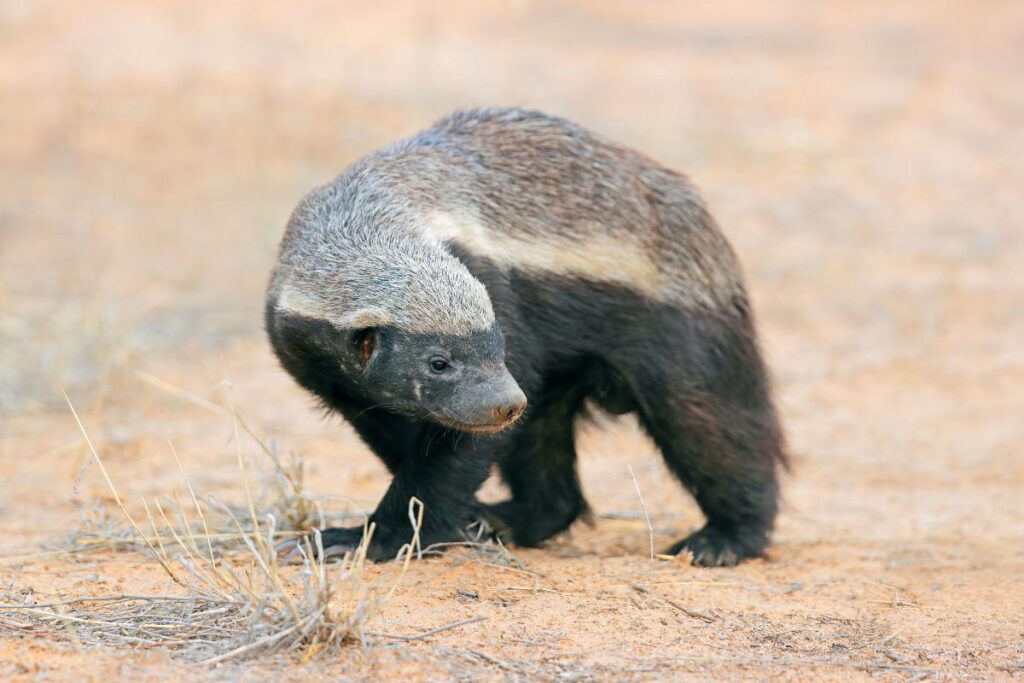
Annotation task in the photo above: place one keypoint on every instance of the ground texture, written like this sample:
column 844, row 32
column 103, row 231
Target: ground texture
column 865, row 160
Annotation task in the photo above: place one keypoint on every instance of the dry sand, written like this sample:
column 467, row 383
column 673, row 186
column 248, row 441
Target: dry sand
column 865, row 160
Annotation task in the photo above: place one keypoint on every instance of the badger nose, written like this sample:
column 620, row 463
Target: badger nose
column 510, row 411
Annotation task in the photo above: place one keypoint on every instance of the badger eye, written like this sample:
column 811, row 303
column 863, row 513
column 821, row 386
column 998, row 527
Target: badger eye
column 439, row 364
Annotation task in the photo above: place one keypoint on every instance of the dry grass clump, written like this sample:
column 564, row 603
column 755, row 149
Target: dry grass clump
column 227, row 611
column 228, row 604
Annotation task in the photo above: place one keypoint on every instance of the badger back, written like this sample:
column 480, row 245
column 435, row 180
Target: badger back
column 540, row 194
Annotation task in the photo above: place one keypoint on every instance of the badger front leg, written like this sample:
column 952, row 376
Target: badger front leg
column 445, row 477
column 444, row 471
column 539, row 467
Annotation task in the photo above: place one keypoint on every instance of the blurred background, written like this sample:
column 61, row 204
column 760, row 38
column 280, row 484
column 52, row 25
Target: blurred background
column 865, row 159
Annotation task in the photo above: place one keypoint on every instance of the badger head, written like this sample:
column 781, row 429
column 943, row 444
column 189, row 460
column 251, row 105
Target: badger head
column 402, row 327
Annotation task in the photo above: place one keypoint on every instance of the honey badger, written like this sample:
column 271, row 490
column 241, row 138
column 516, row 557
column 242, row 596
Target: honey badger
column 459, row 296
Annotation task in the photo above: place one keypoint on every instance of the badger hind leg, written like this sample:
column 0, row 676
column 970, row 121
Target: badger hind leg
column 706, row 403
column 539, row 467
column 723, row 456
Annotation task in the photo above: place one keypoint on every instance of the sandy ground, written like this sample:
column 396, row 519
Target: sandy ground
column 865, row 160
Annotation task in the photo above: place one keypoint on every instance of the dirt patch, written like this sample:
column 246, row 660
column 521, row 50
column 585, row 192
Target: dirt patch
column 864, row 160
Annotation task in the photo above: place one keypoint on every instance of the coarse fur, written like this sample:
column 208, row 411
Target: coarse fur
column 540, row 263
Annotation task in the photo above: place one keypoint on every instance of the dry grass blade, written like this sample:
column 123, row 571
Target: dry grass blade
column 117, row 498
column 650, row 527
column 299, row 509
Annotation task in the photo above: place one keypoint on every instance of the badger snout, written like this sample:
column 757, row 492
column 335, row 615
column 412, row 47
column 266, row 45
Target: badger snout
column 488, row 407
column 509, row 411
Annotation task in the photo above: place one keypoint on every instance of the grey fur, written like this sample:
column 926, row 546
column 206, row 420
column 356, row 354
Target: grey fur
column 348, row 256
column 529, row 191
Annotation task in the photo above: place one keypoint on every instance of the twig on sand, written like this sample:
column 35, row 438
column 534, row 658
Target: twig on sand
column 431, row 632
column 704, row 616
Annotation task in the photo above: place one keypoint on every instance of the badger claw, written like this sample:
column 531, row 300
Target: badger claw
column 709, row 547
column 336, row 543
column 290, row 551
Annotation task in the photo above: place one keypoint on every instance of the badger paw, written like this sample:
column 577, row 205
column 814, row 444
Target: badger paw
column 711, row 547
column 530, row 526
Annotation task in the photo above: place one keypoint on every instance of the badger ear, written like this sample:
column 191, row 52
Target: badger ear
column 364, row 318
column 364, row 324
